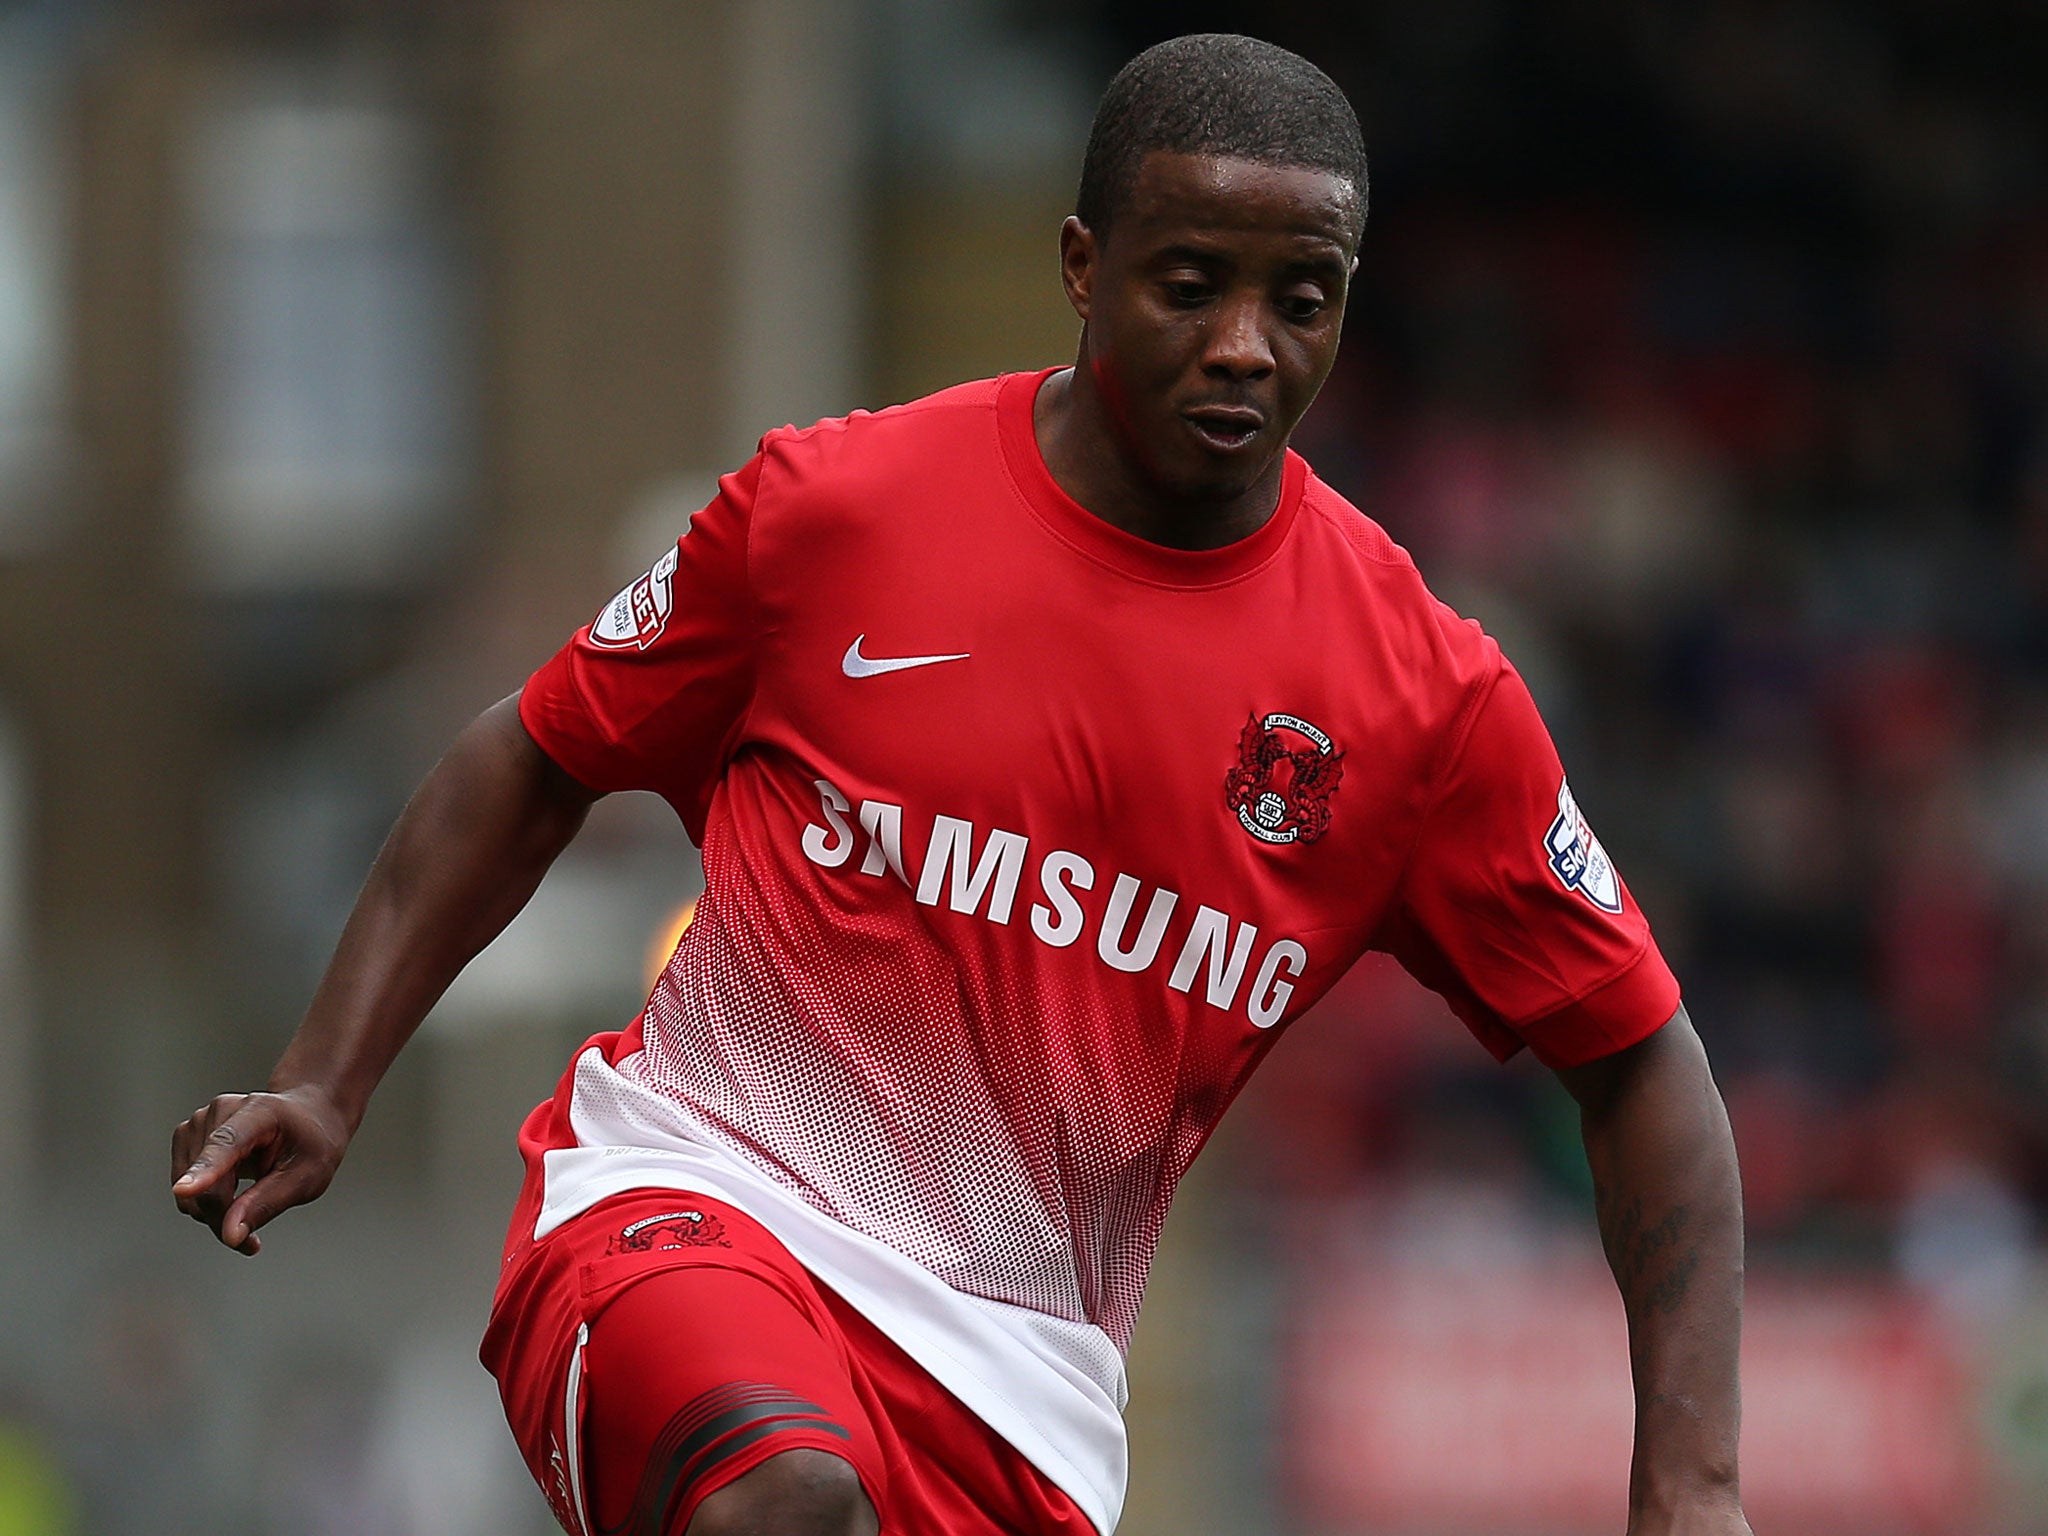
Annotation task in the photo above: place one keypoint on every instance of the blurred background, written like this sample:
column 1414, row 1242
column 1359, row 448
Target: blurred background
column 352, row 353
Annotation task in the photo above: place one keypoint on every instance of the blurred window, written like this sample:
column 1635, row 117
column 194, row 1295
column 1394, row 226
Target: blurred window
column 985, row 87
column 15, row 1064
column 32, row 179
column 325, row 410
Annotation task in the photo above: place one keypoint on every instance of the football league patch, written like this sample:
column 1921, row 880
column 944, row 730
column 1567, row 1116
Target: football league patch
column 1576, row 857
column 637, row 616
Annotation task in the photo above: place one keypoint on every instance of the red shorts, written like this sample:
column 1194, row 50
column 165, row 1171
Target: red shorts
column 661, row 1344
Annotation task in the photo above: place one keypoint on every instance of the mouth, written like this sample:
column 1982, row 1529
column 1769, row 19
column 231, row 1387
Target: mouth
column 1224, row 428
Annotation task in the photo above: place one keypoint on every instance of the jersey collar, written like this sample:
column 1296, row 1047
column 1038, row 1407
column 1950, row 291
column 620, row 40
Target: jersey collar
column 1076, row 526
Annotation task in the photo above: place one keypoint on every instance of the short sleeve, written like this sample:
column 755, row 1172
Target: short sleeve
column 650, row 694
column 1512, row 910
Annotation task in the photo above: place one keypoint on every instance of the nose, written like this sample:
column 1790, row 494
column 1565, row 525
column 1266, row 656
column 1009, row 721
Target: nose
column 1237, row 343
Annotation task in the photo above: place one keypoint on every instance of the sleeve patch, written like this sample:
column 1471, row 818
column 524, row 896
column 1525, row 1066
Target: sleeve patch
column 636, row 617
column 1576, row 857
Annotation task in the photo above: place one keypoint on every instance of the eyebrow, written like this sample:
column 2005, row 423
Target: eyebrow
column 1332, row 261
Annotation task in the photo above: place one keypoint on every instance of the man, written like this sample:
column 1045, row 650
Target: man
column 1050, row 742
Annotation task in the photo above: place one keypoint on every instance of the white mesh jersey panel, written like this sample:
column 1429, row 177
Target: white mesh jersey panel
column 874, row 1082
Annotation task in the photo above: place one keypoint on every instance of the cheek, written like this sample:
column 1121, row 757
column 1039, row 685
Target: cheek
column 1308, row 363
column 1145, row 344
column 1130, row 370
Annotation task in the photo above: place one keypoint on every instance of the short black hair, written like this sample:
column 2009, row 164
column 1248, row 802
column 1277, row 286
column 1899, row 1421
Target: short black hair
column 1216, row 93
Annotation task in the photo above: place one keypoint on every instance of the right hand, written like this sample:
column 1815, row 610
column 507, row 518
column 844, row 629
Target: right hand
column 289, row 1143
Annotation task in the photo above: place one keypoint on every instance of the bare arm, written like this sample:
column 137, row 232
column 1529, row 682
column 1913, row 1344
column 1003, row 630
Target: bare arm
column 468, row 851
column 1669, row 1201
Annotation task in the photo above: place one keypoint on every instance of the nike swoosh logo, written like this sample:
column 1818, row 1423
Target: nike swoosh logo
column 853, row 664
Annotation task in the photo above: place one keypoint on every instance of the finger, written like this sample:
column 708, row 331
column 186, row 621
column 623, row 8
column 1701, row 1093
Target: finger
column 208, row 1203
column 184, row 1143
column 211, row 1205
column 242, row 1133
column 223, row 1144
column 190, row 1132
column 188, row 1141
column 268, row 1197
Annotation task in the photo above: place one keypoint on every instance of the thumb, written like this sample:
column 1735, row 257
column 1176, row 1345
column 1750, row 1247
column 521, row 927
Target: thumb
column 271, row 1195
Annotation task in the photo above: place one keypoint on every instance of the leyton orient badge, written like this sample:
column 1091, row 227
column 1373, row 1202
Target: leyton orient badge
column 1286, row 772
column 637, row 616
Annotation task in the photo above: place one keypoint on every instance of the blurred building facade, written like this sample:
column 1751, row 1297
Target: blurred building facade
column 352, row 353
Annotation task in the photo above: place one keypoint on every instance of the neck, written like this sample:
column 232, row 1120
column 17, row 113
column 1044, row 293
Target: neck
column 1096, row 462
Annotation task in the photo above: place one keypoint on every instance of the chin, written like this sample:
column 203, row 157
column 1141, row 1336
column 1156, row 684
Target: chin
column 1212, row 483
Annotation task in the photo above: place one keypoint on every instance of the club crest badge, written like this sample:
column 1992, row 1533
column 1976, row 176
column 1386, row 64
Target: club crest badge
column 1286, row 771
column 672, row 1229
column 636, row 617
column 1576, row 857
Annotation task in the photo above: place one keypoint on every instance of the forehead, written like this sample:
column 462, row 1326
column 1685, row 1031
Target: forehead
column 1174, row 195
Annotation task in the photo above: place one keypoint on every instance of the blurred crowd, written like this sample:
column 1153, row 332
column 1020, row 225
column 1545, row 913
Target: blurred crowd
column 1702, row 353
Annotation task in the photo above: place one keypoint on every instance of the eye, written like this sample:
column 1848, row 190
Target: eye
column 1301, row 306
column 1186, row 292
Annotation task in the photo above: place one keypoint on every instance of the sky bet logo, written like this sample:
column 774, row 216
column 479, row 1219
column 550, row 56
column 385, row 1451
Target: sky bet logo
column 636, row 617
column 1576, row 857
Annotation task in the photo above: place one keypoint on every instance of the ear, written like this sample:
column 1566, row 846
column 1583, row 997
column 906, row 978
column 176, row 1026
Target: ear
column 1078, row 251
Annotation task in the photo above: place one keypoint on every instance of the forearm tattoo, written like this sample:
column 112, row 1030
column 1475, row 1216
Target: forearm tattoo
column 1653, row 1263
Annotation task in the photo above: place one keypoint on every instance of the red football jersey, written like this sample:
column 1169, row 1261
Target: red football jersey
column 1023, row 838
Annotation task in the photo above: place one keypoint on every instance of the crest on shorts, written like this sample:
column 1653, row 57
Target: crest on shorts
column 671, row 1229
column 636, row 617
column 1286, row 772
column 1576, row 857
